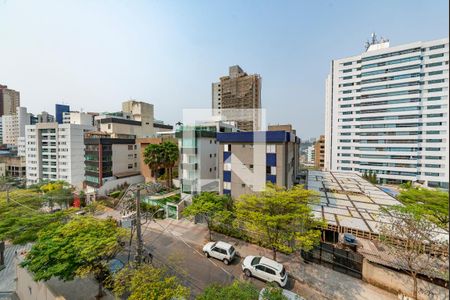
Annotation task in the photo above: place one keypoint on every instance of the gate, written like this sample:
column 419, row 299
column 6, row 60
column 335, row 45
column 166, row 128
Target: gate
column 344, row 261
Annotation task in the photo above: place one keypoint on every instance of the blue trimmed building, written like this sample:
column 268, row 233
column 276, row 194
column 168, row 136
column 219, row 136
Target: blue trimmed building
column 248, row 160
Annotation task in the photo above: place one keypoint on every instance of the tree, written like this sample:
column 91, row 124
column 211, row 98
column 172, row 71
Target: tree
column 279, row 218
column 413, row 243
column 148, row 282
column 59, row 192
column 169, row 157
column 236, row 290
column 208, row 205
column 21, row 218
column 433, row 204
column 81, row 247
column 273, row 293
column 153, row 158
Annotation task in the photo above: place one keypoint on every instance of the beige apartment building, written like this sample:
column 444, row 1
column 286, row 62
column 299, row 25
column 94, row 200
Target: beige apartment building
column 248, row 160
column 319, row 153
column 237, row 97
column 9, row 100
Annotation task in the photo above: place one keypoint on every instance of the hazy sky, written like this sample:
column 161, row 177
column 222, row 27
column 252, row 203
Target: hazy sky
column 95, row 54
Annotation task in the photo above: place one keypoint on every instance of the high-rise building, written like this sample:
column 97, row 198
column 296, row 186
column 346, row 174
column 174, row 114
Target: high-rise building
column 9, row 100
column 387, row 111
column 237, row 97
column 44, row 117
column 55, row 152
column 14, row 126
column 60, row 109
column 319, row 153
column 248, row 160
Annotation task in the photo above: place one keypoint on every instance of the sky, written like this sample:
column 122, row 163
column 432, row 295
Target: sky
column 95, row 54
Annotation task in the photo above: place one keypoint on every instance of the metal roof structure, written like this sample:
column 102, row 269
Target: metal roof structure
column 348, row 202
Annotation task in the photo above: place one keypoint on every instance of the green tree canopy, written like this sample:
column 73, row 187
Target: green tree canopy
column 153, row 158
column 169, row 157
column 433, row 204
column 208, row 205
column 406, row 223
column 237, row 290
column 278, row 216
column 148, row 282
column 83, row 246
column 21, row 218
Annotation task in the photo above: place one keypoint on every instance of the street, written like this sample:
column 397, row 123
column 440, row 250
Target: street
column 189, row 264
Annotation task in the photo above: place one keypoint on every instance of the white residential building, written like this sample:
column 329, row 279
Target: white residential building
column 310, row 154
column 55, row 152
column 198, row 167
column 13, row 126
column 80, row 118
column 387, row 111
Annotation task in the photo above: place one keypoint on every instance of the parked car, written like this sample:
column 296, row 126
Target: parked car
column 220, row 250
column 288, row 294
column 265, row 269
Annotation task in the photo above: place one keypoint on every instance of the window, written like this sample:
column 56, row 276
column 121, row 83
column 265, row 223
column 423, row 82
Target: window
column 435, row 73
column 243, row 185
column 436, row 64
column 270, row 271
column 130, row 166
column 226, row 185
column 270, row 148
column 437, row 47
column 436, row 55
column 130, row 147
column 227, row 147
column 227, row 167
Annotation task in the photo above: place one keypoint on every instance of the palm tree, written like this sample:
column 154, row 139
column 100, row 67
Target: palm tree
column 153, row 158
column 170, row 155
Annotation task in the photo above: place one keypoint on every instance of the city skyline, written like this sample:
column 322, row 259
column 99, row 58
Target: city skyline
column 93, row 56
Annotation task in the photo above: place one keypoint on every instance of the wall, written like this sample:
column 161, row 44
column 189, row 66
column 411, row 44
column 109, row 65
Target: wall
column 112, row 184
column 28, row 289
column 122, row 157
column 396, row 282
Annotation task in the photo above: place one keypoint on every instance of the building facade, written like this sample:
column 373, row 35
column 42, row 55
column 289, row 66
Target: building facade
column 310, row 154
column 55, row 152
column 198, row 166
column 44, row 117
column 9, row 100
column 319, row 153
column 60, row 109
column 109, row 158
column 76, row 117
column 248, row 160
column 13, row 126
column 387, row 111
column 237, row 97
column 13, row 166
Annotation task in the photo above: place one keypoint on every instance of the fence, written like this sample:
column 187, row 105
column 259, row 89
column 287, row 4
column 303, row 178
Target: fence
column 344, row 261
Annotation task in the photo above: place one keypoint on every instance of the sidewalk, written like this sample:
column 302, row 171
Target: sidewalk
column 329, row 283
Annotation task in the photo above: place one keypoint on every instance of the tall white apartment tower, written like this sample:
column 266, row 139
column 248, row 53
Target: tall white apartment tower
column 55, row 152
column 387, row 111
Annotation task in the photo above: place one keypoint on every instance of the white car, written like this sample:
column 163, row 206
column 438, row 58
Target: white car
column 220, row 250
column 265, row 269
column 288, row 294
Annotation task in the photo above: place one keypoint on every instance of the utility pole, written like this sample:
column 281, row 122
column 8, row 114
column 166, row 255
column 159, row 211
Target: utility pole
column 140, row 245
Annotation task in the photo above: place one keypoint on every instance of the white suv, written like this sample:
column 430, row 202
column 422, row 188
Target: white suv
column 265, row 269
column 220, row 250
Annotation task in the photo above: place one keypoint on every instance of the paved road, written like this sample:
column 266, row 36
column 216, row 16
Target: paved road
column 190, row 265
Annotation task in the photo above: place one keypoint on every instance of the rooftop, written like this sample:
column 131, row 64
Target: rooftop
column 347, row 200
